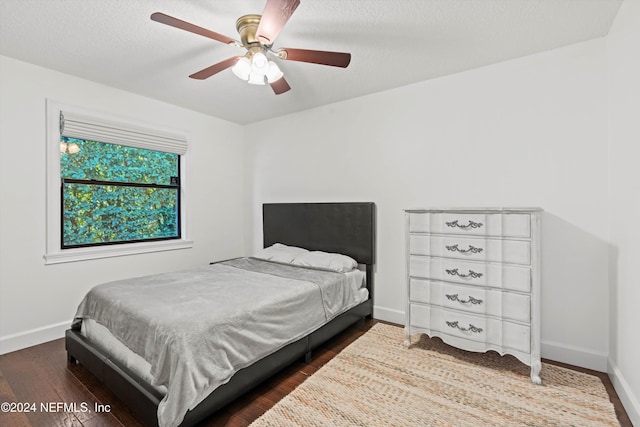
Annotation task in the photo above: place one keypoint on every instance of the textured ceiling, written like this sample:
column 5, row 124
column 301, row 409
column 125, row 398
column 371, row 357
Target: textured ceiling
column 393, row 43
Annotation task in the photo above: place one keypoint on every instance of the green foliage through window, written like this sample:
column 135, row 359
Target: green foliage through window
column 115, row 194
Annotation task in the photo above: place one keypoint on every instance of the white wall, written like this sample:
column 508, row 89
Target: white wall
column 37, row 302
column 528, row 132
column 623, row 46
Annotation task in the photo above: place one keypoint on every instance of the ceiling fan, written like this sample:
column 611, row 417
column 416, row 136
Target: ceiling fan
column 257, row 34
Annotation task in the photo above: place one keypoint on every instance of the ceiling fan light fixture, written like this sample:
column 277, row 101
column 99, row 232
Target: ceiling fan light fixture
column 259, row 63
column 273, row 73
column 242, row 69
column 256, row 78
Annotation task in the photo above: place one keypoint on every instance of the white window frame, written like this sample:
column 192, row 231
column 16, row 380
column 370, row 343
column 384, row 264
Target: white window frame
column 53, row 252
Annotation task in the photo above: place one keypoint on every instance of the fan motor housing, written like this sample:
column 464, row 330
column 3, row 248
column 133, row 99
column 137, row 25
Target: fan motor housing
column 247, row 26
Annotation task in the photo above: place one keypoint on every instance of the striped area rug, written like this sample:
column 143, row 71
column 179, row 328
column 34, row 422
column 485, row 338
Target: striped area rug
column 376, row 381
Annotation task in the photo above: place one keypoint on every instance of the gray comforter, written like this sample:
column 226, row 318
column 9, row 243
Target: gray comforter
column 198, row 327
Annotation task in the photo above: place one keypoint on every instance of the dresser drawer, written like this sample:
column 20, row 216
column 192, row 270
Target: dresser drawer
column 475, row 300
column 471, row 327
column 473, row 248
column 474, row 273
column 480, row 224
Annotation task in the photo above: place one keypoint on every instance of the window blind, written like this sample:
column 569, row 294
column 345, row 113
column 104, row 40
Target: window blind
column 78, row 126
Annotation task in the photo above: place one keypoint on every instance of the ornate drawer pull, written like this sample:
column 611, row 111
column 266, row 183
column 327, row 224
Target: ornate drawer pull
column 454, row 224
column 471, row 328
column 472, row 274
column 472, row 249
column 471, row 299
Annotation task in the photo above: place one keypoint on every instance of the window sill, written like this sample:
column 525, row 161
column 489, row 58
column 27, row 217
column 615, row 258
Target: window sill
column 83, row 254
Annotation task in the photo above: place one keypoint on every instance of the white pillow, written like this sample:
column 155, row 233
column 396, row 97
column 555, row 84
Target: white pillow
column 280, row 253
column 330, row 261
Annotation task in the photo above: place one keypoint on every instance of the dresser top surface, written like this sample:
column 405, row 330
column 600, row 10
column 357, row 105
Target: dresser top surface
column 502, row 210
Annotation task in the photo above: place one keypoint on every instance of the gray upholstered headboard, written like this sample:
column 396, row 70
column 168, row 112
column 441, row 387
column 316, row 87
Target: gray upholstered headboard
column 346, row 228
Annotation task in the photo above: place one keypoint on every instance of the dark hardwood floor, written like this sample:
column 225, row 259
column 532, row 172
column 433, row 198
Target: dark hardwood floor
column 40, row 375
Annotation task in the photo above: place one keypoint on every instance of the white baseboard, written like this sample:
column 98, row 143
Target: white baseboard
column 571, row 355
column 628, row 399
column 388, row 315
column 9, row 343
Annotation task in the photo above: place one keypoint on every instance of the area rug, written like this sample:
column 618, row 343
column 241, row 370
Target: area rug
column 376, row 381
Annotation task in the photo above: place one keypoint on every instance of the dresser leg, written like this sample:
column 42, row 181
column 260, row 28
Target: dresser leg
column 407, row 337
column 536, row 366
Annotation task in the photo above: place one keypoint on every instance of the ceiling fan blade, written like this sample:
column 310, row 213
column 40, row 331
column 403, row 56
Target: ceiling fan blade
column 323, row 57
column 183, row 25
column 215, row 68
column 280, row 86
column 276, row 13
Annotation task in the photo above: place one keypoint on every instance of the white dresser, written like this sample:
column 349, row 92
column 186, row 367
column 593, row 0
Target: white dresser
column 473, row 278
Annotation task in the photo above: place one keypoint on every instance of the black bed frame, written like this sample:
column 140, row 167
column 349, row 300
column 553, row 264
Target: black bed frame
column 347, row 228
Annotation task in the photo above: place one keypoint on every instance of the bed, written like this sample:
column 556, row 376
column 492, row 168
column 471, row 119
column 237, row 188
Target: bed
column 339, row 228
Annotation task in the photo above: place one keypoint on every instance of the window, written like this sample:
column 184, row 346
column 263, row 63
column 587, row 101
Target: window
column 115, row 194
column 113, row 187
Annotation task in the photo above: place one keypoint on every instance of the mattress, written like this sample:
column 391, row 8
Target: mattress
column 243, row 310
